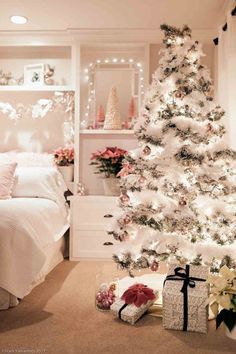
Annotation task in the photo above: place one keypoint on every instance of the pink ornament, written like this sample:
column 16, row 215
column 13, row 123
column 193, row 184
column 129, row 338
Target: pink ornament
column 182, row 202
column 154, row 266
column 126, row 220
column 99, row 296
column 147, row 150
column 124, row 236
column 124, row 198
column 179, row 94
column 106, row 304
column 105, row 297
column 142, row 179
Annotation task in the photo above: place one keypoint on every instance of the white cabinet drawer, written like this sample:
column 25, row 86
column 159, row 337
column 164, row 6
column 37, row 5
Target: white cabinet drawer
column 93, row 213
column 95, row 244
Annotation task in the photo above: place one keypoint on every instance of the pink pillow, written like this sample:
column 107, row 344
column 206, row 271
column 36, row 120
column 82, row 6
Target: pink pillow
column 7, row 174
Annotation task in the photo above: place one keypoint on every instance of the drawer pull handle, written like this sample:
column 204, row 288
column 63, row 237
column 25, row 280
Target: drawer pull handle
column 108, row 244
column 108, row 216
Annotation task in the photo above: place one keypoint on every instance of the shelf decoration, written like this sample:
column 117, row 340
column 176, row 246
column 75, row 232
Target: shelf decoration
column 89, row 77
column 100, row 117
column 109, row 163
column 7, row 79
column 132, row 114
column 34, row 75
column 112, row 118
column 64, row 159
column 49, row 72
column 60, row 101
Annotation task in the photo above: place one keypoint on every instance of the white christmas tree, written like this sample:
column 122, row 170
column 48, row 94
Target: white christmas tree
column 178, row 199
column 112, row 118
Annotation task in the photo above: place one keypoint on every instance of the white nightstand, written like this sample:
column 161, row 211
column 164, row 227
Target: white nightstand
column 90, row 216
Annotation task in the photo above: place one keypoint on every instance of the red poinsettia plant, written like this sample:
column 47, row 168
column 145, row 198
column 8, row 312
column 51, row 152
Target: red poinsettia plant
column 64, row 156
column 109, row 161
column 138, row 294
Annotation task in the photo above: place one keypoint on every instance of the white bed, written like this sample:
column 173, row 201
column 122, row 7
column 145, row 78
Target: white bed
column 31, row 232
column 54, row 255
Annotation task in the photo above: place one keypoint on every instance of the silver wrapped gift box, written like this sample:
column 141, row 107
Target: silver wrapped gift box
column 185, row 295
column 130, row 313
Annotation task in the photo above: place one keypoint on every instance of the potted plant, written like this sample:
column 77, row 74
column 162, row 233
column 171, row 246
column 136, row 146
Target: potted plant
column 64, row 159
column 223, row 299
column 109, row 163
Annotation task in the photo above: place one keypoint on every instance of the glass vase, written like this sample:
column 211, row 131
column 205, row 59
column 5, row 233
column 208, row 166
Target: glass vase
column 106, row 291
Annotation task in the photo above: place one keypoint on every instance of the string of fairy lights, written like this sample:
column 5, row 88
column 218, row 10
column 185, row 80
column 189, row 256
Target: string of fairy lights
column 118, row 63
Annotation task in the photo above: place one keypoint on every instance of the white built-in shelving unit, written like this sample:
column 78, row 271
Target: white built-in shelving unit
column 71, row 56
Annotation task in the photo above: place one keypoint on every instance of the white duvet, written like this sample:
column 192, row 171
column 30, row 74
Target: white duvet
column 27, row 225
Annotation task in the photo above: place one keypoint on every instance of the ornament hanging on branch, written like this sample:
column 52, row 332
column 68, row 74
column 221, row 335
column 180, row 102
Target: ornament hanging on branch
column 127, row 220
column 179, row 94
column 154, row 266
column 147, row 151
column 209, row 127
column 182, row 202
column 124, row 198
column 124, row 236
column 142, row 179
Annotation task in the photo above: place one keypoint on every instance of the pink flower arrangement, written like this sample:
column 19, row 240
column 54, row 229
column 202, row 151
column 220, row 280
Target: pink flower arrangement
column 64, row 156
column 138, row 294
column 109, row 161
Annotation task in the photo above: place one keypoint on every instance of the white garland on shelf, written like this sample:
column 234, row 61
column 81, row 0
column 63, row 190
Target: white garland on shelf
column 60, row 102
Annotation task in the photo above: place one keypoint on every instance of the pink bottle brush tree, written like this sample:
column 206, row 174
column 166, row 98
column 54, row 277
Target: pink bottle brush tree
column 100, row 116
column 132, row 113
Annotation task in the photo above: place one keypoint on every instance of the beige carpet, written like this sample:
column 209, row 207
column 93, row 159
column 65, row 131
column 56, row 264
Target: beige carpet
column 59, row 317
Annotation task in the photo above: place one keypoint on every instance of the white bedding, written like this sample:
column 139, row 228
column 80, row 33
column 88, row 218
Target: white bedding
column 27, row 226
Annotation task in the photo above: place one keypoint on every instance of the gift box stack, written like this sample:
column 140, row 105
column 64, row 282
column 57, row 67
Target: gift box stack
column 134, row 303
column 185, row 296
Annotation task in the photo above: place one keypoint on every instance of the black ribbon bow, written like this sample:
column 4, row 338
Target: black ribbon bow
column 182, row 274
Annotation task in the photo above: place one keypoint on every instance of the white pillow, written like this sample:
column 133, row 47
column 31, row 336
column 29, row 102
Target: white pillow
column 7, row 175
column 39, row 182
column 28, row 159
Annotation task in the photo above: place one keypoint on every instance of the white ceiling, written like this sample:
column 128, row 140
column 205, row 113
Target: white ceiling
column 100, row 14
